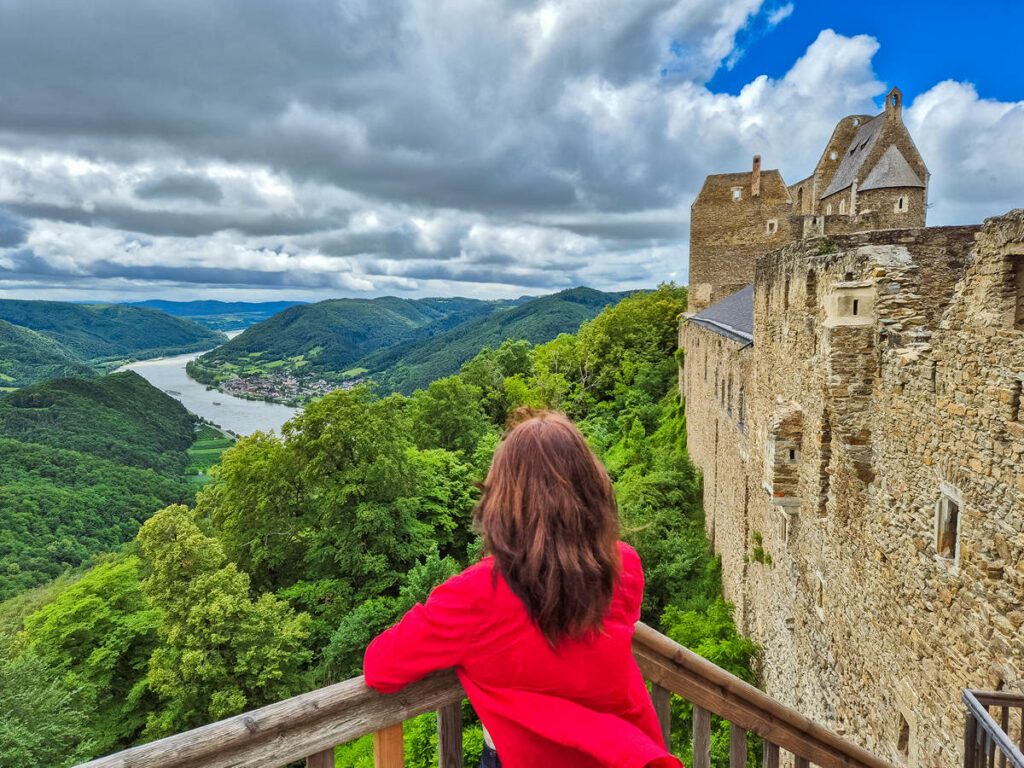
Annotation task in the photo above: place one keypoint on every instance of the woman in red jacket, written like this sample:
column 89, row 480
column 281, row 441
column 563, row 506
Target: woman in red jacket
column 540, row 631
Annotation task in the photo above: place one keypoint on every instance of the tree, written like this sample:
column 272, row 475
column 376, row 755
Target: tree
column 489, row 369
column 41, row 720
column 99, row 634
column 448, row 414
column 220, row 651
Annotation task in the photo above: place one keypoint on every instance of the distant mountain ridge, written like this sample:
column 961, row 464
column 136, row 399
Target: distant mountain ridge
column 220, row 315
column 43, row 339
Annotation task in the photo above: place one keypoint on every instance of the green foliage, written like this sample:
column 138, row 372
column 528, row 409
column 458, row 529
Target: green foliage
column 99, row 634
column 27, row 357
column 96, row 333
column 120, row 417
column 41, row 719
column 221, row 652
column 448, row 414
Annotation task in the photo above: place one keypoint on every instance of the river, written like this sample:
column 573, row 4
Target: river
column 243, row 417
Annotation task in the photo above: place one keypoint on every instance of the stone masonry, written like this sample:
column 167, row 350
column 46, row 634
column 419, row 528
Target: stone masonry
column 861, row 438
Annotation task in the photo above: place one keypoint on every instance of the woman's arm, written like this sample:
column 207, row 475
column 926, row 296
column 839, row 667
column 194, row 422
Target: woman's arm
column 429, row 637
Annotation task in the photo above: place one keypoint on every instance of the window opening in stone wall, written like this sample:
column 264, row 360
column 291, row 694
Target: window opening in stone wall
column 828, row 209
column 705, row 365
column 825, row 458
column 842, row 206
column 819, row 595
column 736, row 193
column 1015, row 398
column 785, row 294
column 800, row 200
column 792, row 456
column 903, row 735
column 832, row 155
column 1018, row 293
column 901, row 204
column 848, row 277
column 856, row 306
column 946, row 527
column 812, row 290
column 743, row 408
column 729, row 396
column 772, row 226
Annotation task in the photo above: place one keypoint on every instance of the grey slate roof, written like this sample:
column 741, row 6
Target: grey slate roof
column 732, row 317
column 860, row 148
column 891, row 170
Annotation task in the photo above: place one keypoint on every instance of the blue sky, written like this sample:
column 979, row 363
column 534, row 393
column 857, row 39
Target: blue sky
column 921, row 43
column 268, row 149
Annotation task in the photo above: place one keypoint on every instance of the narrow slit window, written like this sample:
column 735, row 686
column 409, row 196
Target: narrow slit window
column 1018, row 293
column 737, row 193
column 903, row 736
column 856, row 306
column 1016, row 413
column 842, row 206
column 947, row 528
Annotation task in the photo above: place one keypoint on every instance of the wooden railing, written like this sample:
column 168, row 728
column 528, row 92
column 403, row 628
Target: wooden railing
column 985, row 739
column 311, row 725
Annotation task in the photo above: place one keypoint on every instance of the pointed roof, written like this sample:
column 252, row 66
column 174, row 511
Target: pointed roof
column 853, row 161
column 732, row 317
column 891, row 170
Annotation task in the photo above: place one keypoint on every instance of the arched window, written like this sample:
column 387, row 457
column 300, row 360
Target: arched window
column 842, row 206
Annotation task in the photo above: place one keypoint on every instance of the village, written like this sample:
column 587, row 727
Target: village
column 284, row 387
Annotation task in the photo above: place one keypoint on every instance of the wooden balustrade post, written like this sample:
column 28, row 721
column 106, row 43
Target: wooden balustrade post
column 388, row 748
column 701, row 737
column 801, row 762
column 737, row 746
column 449, row 736
column 661, row 698
column 323, row 759
column 970, row 741
column 771, row 755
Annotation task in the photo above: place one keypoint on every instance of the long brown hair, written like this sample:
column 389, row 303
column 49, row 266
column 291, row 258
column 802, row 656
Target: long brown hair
column 549, row 518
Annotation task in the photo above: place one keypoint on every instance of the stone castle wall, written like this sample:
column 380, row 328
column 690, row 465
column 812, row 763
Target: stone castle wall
column 882, row 391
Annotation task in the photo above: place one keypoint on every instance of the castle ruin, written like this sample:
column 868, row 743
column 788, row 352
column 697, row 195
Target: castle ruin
column 853, row 384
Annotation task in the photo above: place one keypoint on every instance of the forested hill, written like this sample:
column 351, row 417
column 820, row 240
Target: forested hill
column 120, row 417
column 408, row 367
column 220, row 315
column 331, row 336
column 98, row 333
column 83, row 463
column 27, row 357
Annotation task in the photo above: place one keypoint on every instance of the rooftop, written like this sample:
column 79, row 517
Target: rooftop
column 732, row 317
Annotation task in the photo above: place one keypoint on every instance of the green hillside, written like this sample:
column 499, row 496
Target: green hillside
column 58, row 508
column 412, row 366
column 27, row 357
column 99, row 333
column 330, row 336
column 120, row 417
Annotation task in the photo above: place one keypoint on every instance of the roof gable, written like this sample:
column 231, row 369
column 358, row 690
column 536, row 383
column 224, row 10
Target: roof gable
column 863, row 142
column 891, row 170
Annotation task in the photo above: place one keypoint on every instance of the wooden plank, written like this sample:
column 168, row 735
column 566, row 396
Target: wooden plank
column 970, row 741
column 323, row 759
column 771, row 755
column 737, row 746
column 291, row 730
column 449, row 736
column 388, row 747
column 1005, row 725
column 701, row 737
column 698, row 680
column 801, row 762
column 661, row 698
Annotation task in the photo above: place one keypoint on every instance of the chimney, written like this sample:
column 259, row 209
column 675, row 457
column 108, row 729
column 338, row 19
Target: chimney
column 755, row 178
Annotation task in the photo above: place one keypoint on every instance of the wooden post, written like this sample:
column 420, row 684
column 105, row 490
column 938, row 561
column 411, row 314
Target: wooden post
column 388, row 749
column 1005, row 724
column 771, row 755
column 661, row 698
column 737, row 746
column 801, row 762
column 449, row 736
column 323, row 759
column 701, row 737
column 970, row 741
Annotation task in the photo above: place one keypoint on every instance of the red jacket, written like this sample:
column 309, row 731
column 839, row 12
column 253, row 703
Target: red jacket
column 582, row 707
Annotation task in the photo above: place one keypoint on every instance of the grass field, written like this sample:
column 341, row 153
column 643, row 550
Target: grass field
column 205, row 453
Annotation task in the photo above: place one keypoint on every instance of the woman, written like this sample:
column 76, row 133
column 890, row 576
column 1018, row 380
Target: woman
column 540, row 631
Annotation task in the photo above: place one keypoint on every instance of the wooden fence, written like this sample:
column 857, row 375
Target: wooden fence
column 311, row 725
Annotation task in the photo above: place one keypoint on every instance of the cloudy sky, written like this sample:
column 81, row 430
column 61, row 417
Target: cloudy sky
column 270, row 149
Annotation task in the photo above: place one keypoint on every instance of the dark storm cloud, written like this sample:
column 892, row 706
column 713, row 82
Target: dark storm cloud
column 12, row 230
column 180, row 186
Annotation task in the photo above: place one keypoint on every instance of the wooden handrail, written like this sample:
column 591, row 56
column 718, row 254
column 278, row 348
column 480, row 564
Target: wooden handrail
column 984, row 737
column 312, row 724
